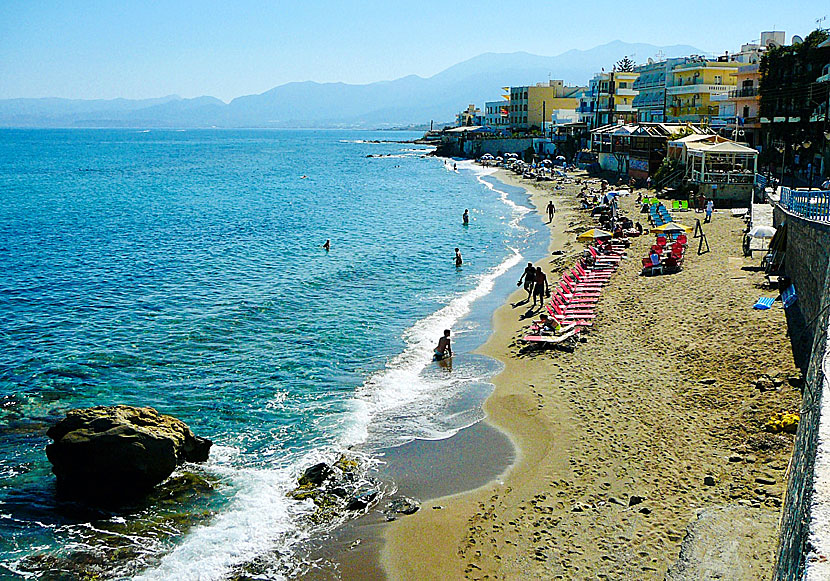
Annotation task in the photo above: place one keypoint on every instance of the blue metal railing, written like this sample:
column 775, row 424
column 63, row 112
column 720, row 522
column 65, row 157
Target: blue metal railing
column 812, row 204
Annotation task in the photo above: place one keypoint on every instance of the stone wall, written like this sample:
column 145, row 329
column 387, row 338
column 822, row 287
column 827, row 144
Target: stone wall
column 807, row 258
column 805, row 538
column 475, row 147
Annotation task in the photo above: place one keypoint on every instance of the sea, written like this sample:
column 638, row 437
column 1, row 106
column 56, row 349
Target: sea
column 185, row 270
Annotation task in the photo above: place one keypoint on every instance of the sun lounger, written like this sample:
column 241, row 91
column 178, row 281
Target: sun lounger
column 551, row 339
column 684, row 206
column 764, row 303
column 565, row 320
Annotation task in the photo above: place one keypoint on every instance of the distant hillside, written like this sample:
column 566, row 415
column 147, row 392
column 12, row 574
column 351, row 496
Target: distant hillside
column 403, row 101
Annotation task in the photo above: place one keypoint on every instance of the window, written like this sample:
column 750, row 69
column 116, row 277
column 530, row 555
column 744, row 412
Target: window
column 718, row 79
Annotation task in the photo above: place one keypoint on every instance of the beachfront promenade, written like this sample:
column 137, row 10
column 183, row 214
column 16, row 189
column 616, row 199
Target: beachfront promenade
column 645, row 446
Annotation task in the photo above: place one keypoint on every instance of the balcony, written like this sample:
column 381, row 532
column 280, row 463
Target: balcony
column 743, row 93
column 626, row 92
column 687, row 111
column 699, row 88
column 624, row 108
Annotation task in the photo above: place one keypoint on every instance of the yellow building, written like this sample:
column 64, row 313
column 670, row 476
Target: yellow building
column 531, row 107
column 691, row 86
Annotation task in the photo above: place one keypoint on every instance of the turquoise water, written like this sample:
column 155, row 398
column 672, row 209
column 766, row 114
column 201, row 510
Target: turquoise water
column 184, row 270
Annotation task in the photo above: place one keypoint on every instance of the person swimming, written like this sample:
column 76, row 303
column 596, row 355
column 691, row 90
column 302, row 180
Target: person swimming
column 458, row 260
column 466, row 217
column 327, row 245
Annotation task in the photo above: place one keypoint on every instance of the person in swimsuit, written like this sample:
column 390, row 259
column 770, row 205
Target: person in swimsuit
column 458, row 260
column 327, row 245
column 529, row 276
column 540, row 288
column 466, row 217
column 551, row 211
column 444, row 349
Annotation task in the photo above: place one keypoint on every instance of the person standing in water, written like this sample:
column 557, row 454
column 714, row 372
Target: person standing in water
column 444, row 348
column 327, row 245
column 466, row 217
column 458, row 260
column 551, row 211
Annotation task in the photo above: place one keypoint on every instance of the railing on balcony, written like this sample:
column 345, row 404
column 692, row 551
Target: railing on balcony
column 811, row 204
column 726, row 177
column 699, row 87
column 680, row 111
column 748, row 92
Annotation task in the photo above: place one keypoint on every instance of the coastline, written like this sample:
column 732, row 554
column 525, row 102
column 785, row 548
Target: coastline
column 597, row 428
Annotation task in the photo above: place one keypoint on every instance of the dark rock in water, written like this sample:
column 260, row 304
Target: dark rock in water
column 109, row 452
column 361, row 500
column 316, row 475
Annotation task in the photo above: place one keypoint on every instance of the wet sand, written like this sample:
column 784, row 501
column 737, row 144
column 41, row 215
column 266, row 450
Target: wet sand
column 617, row 441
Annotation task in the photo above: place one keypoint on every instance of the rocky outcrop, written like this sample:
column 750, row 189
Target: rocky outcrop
column 119, row 451
column 336, row 489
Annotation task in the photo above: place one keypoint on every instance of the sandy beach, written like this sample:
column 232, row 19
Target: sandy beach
column 642, row 449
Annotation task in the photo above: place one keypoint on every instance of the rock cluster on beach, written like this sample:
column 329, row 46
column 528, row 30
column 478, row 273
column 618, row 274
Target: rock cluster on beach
column 119, row 451
column 336, row 488
column 342, row 488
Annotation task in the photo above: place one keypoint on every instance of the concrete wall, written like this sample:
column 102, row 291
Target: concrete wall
column 804, row 523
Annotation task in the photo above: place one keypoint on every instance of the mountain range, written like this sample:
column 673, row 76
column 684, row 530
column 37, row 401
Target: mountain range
column 407, row 100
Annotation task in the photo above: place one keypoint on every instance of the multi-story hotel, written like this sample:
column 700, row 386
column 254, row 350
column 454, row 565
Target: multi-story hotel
column 691, row 85
column 531, row 107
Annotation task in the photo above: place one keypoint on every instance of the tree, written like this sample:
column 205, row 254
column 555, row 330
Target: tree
column 625, row 65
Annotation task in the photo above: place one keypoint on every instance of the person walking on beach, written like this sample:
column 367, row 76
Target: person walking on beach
column 551, row 211
column 710, row 207
column 529, row 276
column 540, row 287
column 458, row 260
column 466, row 217
column 444, row 349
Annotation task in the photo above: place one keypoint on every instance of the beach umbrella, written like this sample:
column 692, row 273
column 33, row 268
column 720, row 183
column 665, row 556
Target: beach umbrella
column 672, row 227
column 560, row 158
column 762, row 232
column 593, row 234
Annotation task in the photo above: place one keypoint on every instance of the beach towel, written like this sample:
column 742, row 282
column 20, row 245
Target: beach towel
column 764, row 303
column 788, row 297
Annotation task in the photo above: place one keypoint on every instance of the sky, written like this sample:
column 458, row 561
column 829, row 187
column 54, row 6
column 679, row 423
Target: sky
column 136, row 49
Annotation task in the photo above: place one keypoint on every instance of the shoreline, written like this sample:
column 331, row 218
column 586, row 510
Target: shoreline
column 430, row 469
column 584, row 454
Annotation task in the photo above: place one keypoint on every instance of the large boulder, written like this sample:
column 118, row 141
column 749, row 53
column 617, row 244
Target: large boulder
column 119, row 451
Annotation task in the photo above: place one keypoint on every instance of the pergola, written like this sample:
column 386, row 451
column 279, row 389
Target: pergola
column 721, row 163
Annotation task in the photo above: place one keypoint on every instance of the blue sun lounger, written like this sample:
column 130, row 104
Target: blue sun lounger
column 764, row 303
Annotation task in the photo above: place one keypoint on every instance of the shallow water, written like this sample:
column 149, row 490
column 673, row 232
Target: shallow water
column 184, row 270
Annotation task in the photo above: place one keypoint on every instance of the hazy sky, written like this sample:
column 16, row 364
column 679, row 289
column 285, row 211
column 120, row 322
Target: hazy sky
column 148, row 48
